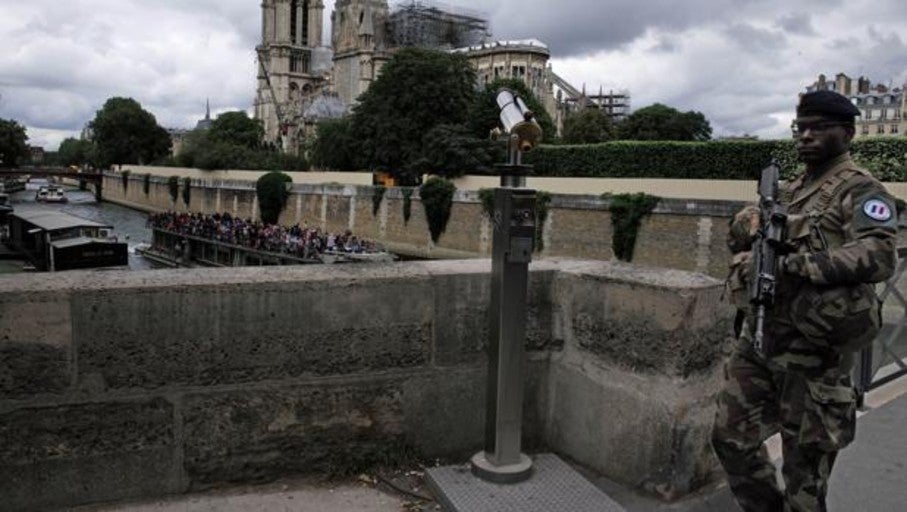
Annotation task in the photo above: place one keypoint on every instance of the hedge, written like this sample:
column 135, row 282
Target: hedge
column 728, row 160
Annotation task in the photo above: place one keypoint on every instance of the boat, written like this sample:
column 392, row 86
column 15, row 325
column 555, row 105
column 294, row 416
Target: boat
column 54, row 241
column 51, row 194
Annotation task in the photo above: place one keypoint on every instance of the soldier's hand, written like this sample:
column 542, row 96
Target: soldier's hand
column 742, row 229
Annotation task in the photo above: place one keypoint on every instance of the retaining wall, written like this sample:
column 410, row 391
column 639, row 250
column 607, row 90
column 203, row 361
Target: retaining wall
column 117, row 385
column 680, row 234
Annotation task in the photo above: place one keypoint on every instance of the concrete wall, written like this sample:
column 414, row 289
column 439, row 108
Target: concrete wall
column 680, row 234
column 118, row 385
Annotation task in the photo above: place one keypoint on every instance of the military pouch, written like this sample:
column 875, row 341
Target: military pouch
column 847, row 318
column 831, row 410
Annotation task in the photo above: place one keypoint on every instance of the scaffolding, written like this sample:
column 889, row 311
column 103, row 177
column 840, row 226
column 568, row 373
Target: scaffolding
column 429, row 24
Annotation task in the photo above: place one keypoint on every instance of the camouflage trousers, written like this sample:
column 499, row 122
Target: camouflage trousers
column 816, row 416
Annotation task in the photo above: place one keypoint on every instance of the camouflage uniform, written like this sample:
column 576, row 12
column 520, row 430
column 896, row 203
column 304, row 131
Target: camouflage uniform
column 842, row 228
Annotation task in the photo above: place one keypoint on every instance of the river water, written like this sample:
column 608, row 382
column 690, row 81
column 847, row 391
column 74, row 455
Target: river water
column 128, row 224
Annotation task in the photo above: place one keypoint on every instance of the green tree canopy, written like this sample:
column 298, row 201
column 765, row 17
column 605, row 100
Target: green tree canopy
column 417, row 90
column 334, row 147
column 13, row 143
column 588, row 126
column 74, row 152
column 125, row 133
column 661, row 122
column 238, row 129
column 450, row 151
column 485, row 113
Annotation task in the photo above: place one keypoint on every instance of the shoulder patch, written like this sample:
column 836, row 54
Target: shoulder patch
column 877, row 209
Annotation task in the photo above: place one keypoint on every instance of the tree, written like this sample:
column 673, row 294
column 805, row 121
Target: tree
column 661, row 122
column 334, row 146
column 417, row 90
column 13, row 143
column 588, row 126
column 73, row 152
column 238, row 129
column 125, row 133
column 450, row 151
column 485, row 113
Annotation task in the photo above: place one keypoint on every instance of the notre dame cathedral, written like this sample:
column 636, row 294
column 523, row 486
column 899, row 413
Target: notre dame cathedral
column 301, row 82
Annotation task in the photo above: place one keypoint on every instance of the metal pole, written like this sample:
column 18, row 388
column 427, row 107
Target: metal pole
column 514, row 234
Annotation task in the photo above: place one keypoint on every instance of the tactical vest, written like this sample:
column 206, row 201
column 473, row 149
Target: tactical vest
column 846, row 317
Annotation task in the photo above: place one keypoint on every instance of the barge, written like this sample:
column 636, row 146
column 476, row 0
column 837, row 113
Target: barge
column 53, row 241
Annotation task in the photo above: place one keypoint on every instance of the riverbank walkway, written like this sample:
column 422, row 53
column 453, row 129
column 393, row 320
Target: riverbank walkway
column 870, row 475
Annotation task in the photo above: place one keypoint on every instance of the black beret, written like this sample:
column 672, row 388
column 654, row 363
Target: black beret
column 826, row 104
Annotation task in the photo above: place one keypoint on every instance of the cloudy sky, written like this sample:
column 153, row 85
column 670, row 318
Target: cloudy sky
column 739, row 62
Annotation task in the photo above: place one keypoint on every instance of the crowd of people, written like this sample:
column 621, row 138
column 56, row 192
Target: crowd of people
column 300, row 241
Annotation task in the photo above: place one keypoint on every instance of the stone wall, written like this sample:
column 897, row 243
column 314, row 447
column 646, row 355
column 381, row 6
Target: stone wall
column 117, row 385
column 680, row 234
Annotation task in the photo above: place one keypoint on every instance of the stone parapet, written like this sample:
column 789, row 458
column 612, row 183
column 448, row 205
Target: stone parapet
column 117, row 385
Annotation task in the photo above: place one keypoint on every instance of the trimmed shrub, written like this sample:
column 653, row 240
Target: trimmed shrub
column 627, row 211
column 726, row 160
column 271, row 189
column 437, row 199
column 407, row 203
column 187, row 190
column 173, row 184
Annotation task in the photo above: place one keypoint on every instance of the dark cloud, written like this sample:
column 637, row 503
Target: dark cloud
column 755, row 39
column 797, row 23
column 739, row 62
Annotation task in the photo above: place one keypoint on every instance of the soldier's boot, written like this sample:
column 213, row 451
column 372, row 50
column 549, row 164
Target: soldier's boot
column 750, row 474
column 806, row 471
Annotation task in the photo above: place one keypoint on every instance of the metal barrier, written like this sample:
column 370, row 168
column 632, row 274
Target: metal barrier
column 886, row 359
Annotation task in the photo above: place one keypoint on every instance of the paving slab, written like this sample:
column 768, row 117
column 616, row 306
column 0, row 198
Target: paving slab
column 553, row 486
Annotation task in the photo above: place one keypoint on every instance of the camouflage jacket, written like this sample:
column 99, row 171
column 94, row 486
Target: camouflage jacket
column 841, row 229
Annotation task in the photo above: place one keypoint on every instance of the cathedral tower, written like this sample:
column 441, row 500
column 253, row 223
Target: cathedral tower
column 290, row 37
column 359, row 39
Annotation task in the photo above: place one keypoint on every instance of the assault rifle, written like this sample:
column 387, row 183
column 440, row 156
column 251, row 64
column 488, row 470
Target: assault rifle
column 767, row 246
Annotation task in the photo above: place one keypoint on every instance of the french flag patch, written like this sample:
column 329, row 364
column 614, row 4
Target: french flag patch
column 877, row 210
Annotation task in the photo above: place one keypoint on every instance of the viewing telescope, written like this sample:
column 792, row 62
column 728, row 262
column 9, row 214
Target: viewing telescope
column 518, row 120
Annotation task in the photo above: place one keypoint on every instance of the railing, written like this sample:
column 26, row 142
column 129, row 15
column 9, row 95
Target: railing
column 886, row 359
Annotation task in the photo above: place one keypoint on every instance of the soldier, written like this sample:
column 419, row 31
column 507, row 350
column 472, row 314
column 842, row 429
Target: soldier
column 840, row 233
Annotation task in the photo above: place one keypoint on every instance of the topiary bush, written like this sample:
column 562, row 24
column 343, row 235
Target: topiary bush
column 627, row 211
column 407, row 203
column 437, row 199
column 187, row 190
column 173, row 184
column 377, row 196
column 272, row 192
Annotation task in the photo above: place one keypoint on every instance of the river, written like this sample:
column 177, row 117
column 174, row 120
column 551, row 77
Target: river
column 128, row 224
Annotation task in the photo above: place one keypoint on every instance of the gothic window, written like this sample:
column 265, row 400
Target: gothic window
column 294, row 13
column 305, row 24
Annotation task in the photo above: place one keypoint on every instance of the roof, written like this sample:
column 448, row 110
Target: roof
column 53, row 221
column 79, row 240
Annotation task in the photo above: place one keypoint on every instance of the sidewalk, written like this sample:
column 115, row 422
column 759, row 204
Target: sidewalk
column 869, row 475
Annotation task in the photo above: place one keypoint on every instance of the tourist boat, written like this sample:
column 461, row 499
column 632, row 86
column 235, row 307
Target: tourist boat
column 55, row 241
column 51, row 194
column 181, row 250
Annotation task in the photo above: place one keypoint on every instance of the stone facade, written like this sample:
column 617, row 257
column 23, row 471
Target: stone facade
column 288, row 66
column 883, row 110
